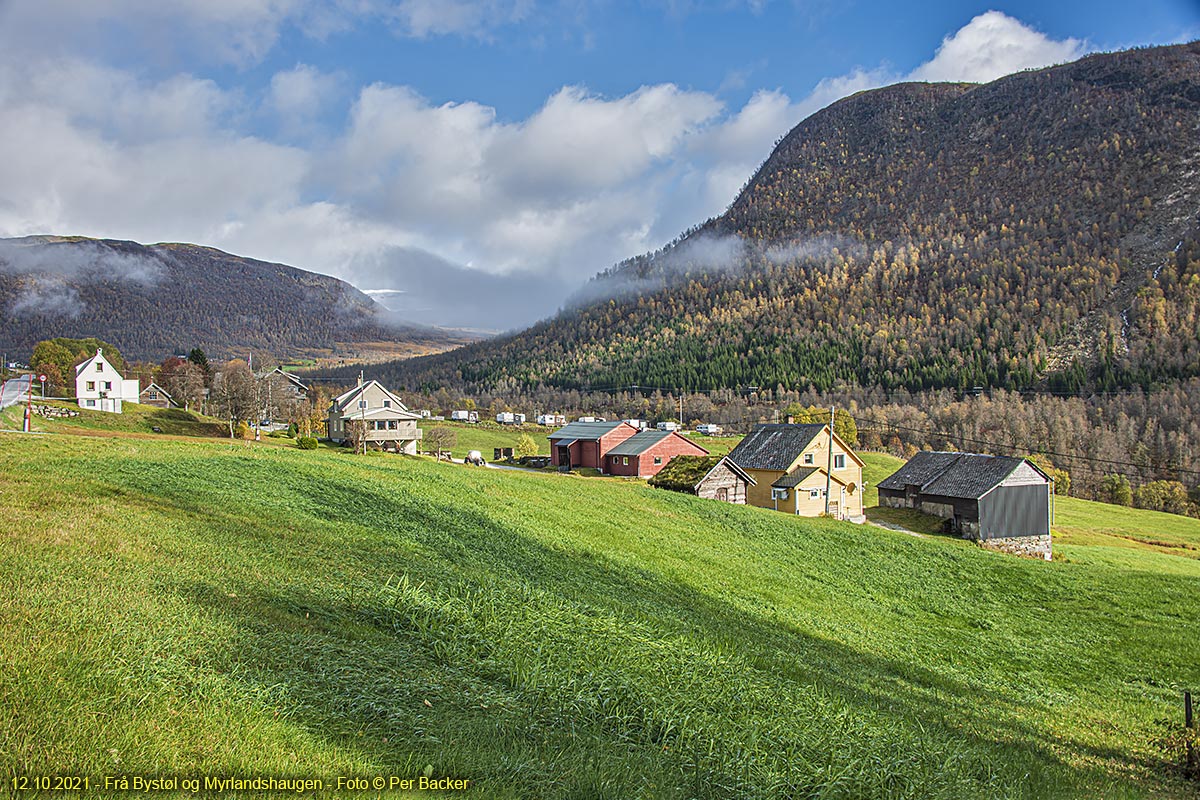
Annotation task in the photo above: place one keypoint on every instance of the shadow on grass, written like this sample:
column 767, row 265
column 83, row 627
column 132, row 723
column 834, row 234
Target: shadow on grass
column 556, row 673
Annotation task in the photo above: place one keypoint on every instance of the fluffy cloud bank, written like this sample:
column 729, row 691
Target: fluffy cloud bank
column 405, row 194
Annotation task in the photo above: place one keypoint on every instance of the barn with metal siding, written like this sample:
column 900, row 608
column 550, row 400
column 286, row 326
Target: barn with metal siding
column 1003, row 503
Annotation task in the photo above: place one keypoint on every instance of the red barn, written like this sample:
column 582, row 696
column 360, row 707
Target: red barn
column 585, row 444
column 645, row 453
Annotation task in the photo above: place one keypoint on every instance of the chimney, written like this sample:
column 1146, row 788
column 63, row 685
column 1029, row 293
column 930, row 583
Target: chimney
column 791, row 420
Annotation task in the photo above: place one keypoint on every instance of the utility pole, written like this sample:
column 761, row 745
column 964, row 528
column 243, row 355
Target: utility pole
column 29, row 406
column 681, row 408
column 829, row 465
column 362, row 406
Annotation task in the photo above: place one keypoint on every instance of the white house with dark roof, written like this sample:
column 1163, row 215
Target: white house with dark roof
column 99, row 387
column 1002, row 503
column 387, row 420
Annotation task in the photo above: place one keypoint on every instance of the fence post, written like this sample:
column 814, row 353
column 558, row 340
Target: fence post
column 1188, row 724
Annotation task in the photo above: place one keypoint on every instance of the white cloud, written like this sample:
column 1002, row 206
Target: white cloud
column 993, row 45
column 422, row 18
column 299, row 96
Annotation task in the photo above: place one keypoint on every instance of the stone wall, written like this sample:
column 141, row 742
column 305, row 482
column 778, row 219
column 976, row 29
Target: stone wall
column 1029, row 546
column 54, row 411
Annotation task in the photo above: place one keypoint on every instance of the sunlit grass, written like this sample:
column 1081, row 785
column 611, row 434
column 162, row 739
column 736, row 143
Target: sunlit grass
column 217, row 608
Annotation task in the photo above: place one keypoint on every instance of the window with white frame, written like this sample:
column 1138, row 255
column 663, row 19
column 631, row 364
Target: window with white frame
column 808, row 458
column 387, row 403
column 99, row 366
column 839, row 461
column 658, row 460
column 91, row 386
column 91, row 403
column 779, row 494
column 108, row 386
column 814, row 493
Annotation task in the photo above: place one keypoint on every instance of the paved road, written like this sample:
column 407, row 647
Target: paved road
column 15, row 390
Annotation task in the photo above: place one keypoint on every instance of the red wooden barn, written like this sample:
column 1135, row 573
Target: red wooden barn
column 585, row 444
column 645, row 453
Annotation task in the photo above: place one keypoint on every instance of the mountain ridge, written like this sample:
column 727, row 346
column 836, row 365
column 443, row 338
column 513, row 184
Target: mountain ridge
column 1038, row 230
column 158, row 299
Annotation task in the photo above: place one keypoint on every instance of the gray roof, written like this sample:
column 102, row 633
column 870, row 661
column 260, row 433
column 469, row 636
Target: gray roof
column 920, row 470
column 639, row 443
column 585, row 430
column 794, row 479
column 967, row 476
column 774, row 446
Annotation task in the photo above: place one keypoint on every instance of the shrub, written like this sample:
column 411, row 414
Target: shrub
column 307, row 443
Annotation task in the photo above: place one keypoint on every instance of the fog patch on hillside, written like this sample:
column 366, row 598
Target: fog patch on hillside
column 89, row 259
column 706, row 255
column 46, row 297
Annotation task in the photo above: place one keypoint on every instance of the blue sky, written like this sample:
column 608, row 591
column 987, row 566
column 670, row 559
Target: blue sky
column 476, row 159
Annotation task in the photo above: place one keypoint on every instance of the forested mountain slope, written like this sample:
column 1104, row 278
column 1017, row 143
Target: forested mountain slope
column 155, row 300
column 1038, row 230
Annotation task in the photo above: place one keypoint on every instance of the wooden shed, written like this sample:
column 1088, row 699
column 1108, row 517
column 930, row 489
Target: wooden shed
column 1002, row 503
column 712, row 477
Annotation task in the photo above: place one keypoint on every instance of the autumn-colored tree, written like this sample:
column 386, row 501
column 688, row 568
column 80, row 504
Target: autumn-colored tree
column 441, row 438
column 234, row 396
column 1115, row 489
column 526, row 446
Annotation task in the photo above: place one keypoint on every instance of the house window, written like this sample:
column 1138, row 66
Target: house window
column 658, row 460
column 91, row 403
column 99, row 366
column 387, row 403
column 91, row 386
column 808, row 458
column 814, row 493
column 392, row 425
column 108, row 386
column 153, row 395
column 625, row 461
column 839, row 461
column 779, row 494
column 362, row 403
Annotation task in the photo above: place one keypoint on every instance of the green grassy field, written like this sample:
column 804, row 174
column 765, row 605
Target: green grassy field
column 485, row 436
column 135, row 419
column 205, row 607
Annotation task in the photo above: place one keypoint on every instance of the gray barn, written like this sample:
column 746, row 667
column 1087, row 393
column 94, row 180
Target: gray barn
column 1002, row 503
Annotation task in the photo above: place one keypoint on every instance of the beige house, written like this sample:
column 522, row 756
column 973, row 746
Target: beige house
column 795, row 471
column 388, row 421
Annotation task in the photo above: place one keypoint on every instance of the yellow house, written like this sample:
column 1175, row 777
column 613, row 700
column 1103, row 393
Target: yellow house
column 792, row 466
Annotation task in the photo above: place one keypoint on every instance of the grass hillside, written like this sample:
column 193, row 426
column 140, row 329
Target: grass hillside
column 134, row 419
column 214, row 608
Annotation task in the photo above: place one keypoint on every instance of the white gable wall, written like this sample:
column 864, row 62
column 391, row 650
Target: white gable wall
column 1024, row 475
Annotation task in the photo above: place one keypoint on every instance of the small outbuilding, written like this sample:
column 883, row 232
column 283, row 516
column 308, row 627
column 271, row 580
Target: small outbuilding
column 1000, row 502
column 155, row 395
column 646, row 452
column 711, row 477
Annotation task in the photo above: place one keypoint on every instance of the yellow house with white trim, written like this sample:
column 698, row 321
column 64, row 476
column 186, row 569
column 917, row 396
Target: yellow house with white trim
column 792, row 466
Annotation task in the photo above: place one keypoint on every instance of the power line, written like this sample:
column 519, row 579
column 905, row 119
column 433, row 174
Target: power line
column 1014, row 447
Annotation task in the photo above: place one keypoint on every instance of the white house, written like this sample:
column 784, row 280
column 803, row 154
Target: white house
column 100, row 387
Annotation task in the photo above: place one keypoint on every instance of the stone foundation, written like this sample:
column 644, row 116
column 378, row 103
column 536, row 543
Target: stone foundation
column 1028, row 546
